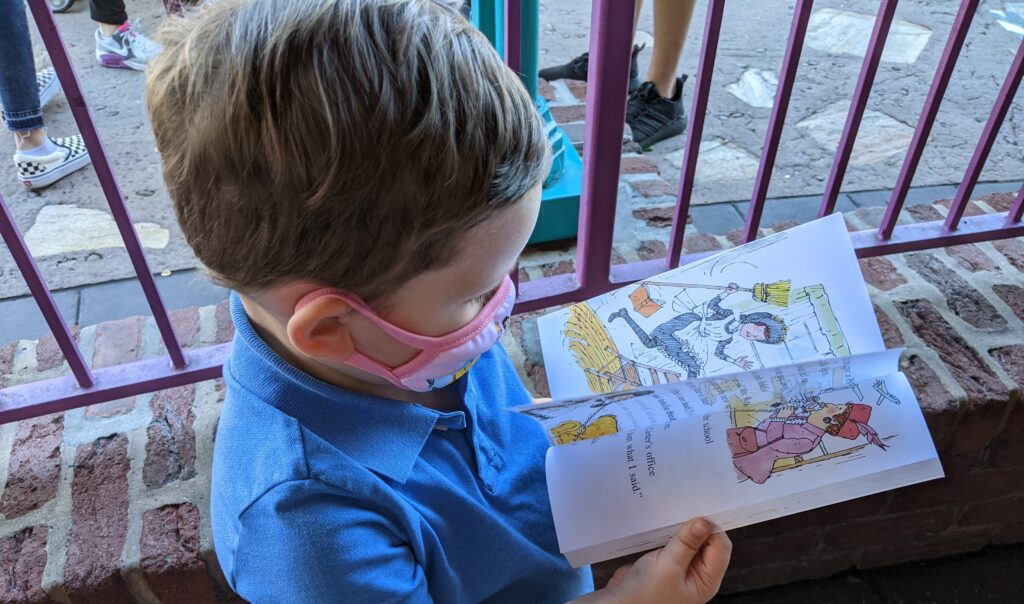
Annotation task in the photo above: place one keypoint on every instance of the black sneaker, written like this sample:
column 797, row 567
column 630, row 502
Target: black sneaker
column 652, row 117
column 576, row 69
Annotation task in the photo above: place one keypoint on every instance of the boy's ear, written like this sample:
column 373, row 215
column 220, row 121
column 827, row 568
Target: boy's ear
column 319, row 330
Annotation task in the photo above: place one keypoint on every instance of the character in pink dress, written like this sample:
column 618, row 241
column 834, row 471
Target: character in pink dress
column 789, row 432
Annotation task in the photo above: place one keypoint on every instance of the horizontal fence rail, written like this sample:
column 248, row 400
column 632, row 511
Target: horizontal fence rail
column 610, row 46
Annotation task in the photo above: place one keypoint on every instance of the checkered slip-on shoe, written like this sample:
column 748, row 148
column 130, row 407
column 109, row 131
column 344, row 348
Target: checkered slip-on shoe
column 36, row 172
column 47, row 84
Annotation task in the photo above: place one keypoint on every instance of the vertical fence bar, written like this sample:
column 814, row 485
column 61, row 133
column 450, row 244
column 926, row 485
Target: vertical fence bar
column 787, row 75
column 950, row 54
column 73, row 92
column 1016, row 210
column 34, row 280
column 513, row 32
column 529, row 44
column 611, row 40
column 883, row 20
column 698, row 107
column 988, row 138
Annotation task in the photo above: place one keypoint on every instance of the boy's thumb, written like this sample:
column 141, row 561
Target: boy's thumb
column 687, row 541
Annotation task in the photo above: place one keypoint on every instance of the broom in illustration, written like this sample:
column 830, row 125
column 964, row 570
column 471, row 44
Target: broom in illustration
column 776, row 294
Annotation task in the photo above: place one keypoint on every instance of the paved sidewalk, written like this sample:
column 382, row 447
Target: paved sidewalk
column 73, row 237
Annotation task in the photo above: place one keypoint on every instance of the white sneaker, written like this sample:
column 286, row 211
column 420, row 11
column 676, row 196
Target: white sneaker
column 128, row 48
column 47, row 84
column 35, row 172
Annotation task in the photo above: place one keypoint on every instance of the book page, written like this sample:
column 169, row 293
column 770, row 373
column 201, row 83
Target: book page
column 736, row 465
column 573, row 420
column 795, row 295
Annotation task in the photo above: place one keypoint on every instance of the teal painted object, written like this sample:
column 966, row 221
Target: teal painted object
column 560, row 199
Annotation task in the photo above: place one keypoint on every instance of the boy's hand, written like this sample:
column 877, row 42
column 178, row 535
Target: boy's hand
column 688, row 569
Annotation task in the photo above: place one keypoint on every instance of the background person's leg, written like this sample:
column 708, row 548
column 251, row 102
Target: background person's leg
column 108, row 15
column 671, row 24
column 19, row 92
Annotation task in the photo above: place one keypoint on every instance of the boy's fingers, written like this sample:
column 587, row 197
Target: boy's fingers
column 687, row 541
column 715, row 560
column 620, row 573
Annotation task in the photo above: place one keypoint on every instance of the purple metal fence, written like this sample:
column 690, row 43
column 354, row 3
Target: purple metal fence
column 610, row 45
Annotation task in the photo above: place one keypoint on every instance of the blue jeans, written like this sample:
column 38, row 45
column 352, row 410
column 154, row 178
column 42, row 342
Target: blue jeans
column 18, row 91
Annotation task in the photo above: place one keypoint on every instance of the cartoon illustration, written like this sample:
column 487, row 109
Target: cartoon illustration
column 690, row 338
column 792, row 431
column 571, row 430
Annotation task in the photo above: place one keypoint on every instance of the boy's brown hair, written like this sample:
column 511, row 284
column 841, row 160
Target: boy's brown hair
column 346, row 142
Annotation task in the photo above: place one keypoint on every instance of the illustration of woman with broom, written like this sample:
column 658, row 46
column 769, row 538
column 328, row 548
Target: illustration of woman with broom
column 689, row 339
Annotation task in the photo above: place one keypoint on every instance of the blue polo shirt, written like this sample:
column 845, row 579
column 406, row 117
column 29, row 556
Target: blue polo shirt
column 324, row 495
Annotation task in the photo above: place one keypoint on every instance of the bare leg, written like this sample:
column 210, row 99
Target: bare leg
column 671, row 24
column 25, row 141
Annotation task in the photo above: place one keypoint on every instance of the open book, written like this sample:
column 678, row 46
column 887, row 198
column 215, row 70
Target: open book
column 743, row 387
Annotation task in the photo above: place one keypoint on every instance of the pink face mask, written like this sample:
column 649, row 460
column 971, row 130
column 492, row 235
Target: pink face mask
column 442, row 359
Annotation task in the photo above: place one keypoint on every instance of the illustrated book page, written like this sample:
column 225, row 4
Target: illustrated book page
column 789, row 297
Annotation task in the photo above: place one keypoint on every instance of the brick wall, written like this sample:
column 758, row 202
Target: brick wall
column 110, row 503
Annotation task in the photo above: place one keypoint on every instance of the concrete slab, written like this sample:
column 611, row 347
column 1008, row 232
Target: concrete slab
column 878, row 138
column 120, row 299
column 798, row 209
column 844, row 32
column 20, row 318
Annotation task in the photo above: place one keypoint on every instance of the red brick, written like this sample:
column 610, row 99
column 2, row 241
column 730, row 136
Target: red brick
column 1013, row 249
column 1012, row 296
column 578, row 89
column 881, row 273
column 998, row 511
column 972, row 258
column 963, row 299
column 941, row 422
column 930, row 391
column 539, row 377
column 225, row 328
column 566, row 114
column 117, row 342
column 562, row 267
column 654, row 187
column 22, row 560
column 186, row 325
column 546, row 90
column 49, row 354
column 651, row 249
column 890, row 333
column 925, row 213
column 966, row 365
column 748, row 552
column 956, row 489
column 955, row 541
column 638, row 165
column 34, row 466
column 700, row 242
column 1011, row 532
column 971, row 209
column 781, row 569
column 785, row 225
column 6, row 361
column 735, row 236
column 171, row 442
column 873, row 532
column 170, row 555
column 1000, row 202
column 656, row 217
column 99, row 522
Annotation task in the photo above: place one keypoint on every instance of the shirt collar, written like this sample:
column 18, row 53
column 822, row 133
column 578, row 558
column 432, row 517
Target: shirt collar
column 384, row 435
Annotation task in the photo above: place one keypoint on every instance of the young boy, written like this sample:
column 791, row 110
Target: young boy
column 364, row 173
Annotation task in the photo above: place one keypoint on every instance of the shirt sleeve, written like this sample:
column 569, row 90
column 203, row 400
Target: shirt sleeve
column 304, row 541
